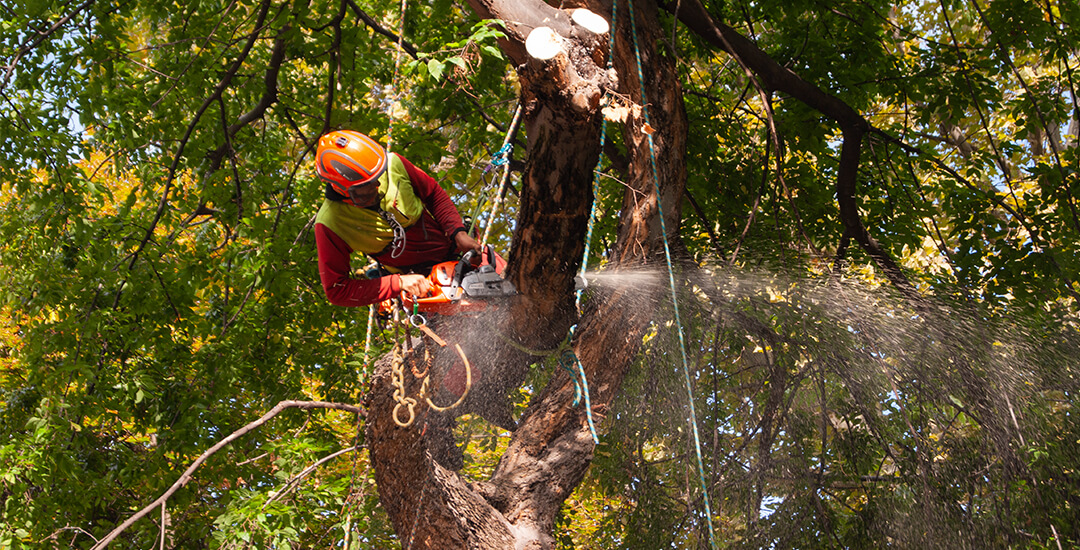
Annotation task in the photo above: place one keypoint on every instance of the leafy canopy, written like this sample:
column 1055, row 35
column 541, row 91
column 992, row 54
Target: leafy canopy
column 161, row 290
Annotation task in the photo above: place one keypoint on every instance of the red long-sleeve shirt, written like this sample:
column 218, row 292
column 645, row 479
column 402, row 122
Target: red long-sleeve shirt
column 430, row 239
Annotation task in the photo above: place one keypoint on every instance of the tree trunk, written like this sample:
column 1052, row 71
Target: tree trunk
column 430, row 505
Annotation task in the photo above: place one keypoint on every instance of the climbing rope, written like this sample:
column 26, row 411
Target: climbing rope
column 502, row 158
column 370, row 330
column 568, row 361
column 394, row 77
column 464, row 394
column 671, row 281
column 399, row 47
column 599, row 160
column 416, row 520
column 566, row 358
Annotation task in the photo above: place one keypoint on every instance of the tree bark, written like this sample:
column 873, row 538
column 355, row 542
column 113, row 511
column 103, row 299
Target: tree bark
column 430, row 505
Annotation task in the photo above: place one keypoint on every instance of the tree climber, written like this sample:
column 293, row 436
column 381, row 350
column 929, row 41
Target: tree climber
column 382, row 206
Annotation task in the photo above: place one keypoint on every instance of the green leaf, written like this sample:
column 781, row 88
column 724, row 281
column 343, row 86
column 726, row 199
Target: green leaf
column 435, row 68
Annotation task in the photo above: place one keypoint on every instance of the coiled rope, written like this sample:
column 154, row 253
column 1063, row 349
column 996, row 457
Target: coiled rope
column 405, row 403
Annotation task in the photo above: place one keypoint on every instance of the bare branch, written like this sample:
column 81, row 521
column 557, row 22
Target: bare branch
column 292, row 483
column 187, row 475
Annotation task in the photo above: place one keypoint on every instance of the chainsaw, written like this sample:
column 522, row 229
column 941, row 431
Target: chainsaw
column 463, row 286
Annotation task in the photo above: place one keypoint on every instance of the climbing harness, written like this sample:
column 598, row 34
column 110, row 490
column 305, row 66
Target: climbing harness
column 484, row 282
column 671, row 281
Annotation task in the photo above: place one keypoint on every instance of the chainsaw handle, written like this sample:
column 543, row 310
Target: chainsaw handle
column 409, row 299
column 471, row 261
column 486, row 256
column 463, row 266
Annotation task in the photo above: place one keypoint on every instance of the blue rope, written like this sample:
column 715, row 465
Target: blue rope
column 573, row 376
column 569, row 356
column 600, row 158
column 671, row 280
column 568, row 360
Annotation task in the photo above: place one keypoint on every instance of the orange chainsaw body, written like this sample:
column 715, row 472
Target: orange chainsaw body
column 446, row 297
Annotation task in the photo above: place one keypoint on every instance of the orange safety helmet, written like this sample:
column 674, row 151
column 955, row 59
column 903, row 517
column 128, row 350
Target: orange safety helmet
column 346, row 158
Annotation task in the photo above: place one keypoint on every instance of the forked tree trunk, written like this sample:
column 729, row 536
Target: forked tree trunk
column 431, row 506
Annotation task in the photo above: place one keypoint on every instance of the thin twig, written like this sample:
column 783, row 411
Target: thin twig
column 187, row 475
column 218, row 91
column 34, row 43
column 292, row 483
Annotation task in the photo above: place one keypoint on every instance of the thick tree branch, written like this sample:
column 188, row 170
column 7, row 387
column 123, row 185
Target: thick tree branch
column 268, row 99
column 375, row 26
column 846, row 180
column 773, row 75
column 853, row 125
column 551, row 448
column 521, row 17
